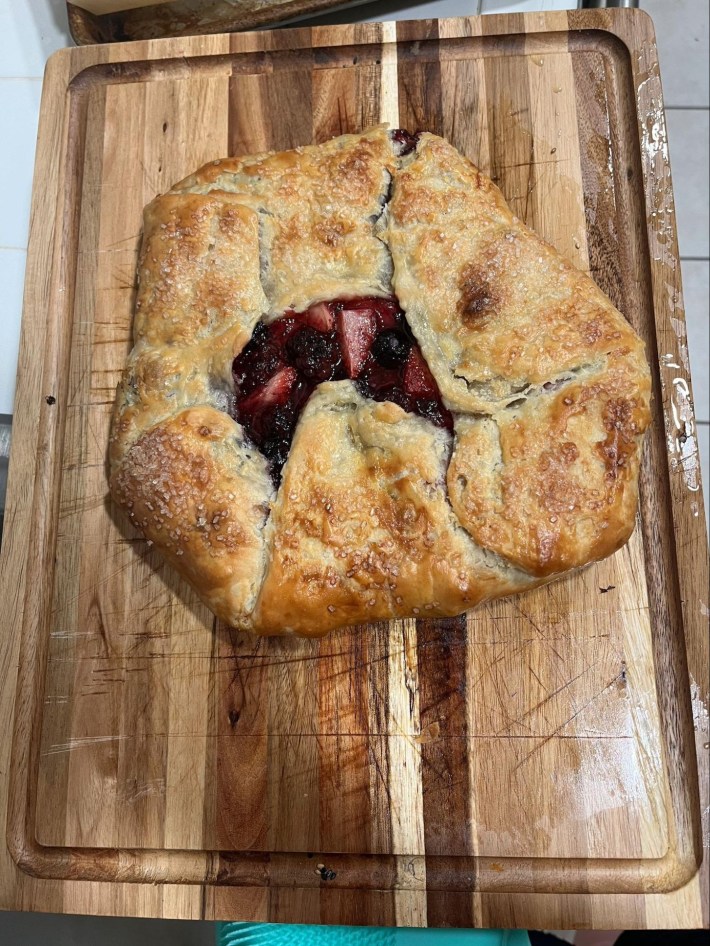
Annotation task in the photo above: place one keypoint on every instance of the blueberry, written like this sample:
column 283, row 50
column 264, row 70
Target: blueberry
column 391, row 348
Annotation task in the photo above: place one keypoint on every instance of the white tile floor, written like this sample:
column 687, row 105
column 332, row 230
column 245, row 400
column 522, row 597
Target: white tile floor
column 30, row 30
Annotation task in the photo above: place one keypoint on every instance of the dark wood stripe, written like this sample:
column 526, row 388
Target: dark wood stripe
column 465, row 112
column 369, row 80
column 241, row 699
column 344, row 714
column 446, row 786
column 358, row 907
column 419, row 79
column 255, row 99
column 442, row 692
column 595, row 152
column 511, row 142
column 347, row 100
column 441, row 658
column 298, row 905
column 450, row 909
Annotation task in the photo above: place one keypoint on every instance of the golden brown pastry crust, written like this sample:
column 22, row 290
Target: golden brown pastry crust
column 362, row 529
column 193, row 487
column 379, row 514
column 316, row 209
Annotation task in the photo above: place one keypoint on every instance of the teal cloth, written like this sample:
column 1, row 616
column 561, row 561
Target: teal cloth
column 287, row 934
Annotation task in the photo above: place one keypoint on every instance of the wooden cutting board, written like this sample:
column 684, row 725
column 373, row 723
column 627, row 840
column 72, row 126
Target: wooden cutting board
column 443, row 772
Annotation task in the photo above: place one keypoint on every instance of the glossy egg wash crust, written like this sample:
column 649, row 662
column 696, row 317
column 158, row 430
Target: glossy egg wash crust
column 362, row 389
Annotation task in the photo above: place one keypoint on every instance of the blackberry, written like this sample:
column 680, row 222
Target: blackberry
column 314, row 354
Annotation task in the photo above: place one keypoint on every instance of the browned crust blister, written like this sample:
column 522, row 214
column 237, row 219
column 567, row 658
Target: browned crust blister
column 379, row 513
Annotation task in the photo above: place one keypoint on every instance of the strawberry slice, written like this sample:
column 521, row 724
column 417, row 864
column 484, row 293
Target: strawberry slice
column 388, row 316
column 385, row 309
column 319, row 316
column 418, row 380
column 379, row 378
column 275, row 392
column 357, row 328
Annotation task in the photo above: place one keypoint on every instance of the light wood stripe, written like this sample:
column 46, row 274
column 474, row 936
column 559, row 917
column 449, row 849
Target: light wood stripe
column 389, row 87
column 65, row 643
column 406, row 802
column 557, row 197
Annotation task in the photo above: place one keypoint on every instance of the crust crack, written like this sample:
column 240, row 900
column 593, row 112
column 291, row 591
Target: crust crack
column 521, row 392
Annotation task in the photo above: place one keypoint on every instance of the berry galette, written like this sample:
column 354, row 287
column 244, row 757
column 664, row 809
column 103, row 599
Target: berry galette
column 362, row 389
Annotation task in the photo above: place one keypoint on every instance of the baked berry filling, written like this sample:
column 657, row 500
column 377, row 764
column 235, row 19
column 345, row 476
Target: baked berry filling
column 367, row 340
column 406, row 141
